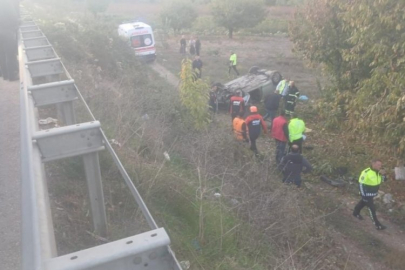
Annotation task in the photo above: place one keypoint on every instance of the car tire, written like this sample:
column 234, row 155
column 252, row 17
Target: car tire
column 276, row 77
column 254, row 70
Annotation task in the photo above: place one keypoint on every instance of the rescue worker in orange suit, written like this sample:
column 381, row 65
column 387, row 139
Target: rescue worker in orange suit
column 239, row 128
column 255, row 124
column 237, row 105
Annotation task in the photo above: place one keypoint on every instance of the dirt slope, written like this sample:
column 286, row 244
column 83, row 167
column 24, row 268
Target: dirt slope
column 368, row 248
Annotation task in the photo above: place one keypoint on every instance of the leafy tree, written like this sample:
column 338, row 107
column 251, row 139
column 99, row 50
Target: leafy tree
column 237, row 14
column 178, row 14
column 97, row 6
column 361, row 44
column 194, row 95
column 319, row 35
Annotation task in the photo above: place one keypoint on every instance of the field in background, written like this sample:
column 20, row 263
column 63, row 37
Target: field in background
column 255, row 230
column 152, row 11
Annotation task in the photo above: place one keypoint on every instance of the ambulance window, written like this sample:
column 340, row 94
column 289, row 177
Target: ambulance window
column 141, row 41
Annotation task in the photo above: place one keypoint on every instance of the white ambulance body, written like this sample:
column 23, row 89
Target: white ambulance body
column 140, row 37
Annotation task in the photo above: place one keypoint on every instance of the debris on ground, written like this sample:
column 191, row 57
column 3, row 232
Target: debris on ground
column 217, row 195
column 167, row 157
column 388, row 198
column 303, row 98
column 97, row 237
column 234, row 202
column 115, row 142
column 185, row 265
column 48, row 121
column 145, row 117
column 400, row 173
column 336, row 183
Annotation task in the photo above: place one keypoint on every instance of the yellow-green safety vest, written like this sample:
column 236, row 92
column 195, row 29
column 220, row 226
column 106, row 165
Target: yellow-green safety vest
column 370, row 177
column 282, row 86
column 296, row 128
column 232, row 59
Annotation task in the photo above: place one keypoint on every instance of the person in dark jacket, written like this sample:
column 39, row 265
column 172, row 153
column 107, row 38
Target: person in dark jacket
column 255, row 124
column 191, row 45
column 8, row 40
column 237, row 105
column 213, row 101
column 279, row 131
column 271, row 104
column 197, row 46
column 197, row 66
column 292, row 165
column 291, row 98
column 183, row 45
column 369, row 182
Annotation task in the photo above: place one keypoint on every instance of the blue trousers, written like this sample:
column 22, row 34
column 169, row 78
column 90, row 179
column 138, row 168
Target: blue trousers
column 280, row 150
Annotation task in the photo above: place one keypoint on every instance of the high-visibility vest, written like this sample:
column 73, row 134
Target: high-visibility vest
column 370, row 177
column 233, row 59
column 296, row 128
column 281, row 86
column 238, row 128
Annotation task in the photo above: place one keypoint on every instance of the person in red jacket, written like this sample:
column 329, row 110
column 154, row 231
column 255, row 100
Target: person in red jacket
column 255, row 123
column 279, row 131
column 237, row 105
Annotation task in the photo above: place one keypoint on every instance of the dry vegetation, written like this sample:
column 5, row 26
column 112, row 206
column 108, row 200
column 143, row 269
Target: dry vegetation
column 255, row 223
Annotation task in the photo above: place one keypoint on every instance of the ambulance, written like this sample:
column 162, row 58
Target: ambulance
column 140, row 37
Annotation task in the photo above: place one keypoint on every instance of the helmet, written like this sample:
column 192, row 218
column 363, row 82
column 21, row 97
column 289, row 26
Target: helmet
column 253, row 109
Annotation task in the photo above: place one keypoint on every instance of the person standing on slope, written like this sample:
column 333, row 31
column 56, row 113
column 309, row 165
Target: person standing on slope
column 233, row 61
column 369, row 182
column 255, row 124
column 279, row 131
column 237, row 105
column 296, row 129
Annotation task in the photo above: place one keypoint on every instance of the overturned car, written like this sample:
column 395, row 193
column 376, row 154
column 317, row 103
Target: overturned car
column 254, row 86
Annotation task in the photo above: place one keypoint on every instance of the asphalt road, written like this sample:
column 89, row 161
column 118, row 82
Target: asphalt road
column 10, row 190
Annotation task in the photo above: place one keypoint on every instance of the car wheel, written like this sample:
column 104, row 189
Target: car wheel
column 254, row 70
column 276, row 77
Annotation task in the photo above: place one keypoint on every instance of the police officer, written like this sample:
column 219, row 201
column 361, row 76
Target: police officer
column 237, row 105
column 296, row 128
column 282, row 87
column 8, row 40
column 233, row 61
column 369, row 183
column 255, row 124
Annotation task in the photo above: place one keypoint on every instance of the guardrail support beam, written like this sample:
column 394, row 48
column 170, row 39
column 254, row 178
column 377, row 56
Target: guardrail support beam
column 96, row 195
column 66, row 113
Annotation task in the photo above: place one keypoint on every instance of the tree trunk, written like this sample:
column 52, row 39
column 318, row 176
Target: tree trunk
column 230, row 32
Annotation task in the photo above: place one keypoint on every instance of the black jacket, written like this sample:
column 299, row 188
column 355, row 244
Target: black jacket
column 272, row 101
column 295, row 164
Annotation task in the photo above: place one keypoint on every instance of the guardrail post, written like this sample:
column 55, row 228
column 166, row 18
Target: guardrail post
column 66, row 113
column 96, row 195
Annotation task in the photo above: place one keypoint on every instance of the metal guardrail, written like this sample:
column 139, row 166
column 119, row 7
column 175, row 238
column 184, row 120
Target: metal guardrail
column 45, row 81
